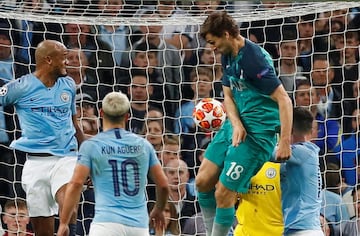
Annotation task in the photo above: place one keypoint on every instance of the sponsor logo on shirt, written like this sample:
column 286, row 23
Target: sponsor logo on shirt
column 262, row 73
column 65, row 97
column 270, row 173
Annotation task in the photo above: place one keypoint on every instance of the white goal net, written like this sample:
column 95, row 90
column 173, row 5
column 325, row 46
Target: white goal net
column 152, row 51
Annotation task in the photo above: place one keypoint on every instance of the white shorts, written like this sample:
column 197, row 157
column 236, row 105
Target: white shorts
column 306, row 233
column 116, row 229
column 42, row 177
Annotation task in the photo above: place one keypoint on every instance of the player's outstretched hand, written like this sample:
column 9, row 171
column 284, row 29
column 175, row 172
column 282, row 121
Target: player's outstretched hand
column 157, row 219
column 239, row 135
column 63, row 230
column 283, row 151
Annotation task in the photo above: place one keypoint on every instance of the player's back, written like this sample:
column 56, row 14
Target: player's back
column 259, row 212
column 119, row 162
column 301, row 188
column 252, row 82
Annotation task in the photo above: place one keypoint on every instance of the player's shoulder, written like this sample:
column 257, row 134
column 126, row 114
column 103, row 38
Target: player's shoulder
column 67, row 80
column 24, row 82
column 302, row 146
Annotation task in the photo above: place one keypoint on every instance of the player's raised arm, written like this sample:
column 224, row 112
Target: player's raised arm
column 162, row 194
column 79, row 134
column 239, row 132
column 283, row 151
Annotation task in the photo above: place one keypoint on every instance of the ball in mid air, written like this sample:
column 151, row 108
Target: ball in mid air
column 209, row 114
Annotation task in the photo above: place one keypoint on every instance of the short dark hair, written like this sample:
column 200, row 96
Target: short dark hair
column 17, row 203
column 144, row 47
column 219, row 22
column 138, row 72
column 302, row 121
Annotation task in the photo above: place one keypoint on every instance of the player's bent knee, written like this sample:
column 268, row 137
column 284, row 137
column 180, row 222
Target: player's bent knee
column 224, row 197
column 201, row 183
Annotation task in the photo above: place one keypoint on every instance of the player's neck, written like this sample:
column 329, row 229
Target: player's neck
column 45, row 77
column 239, row 42
column 300, row 138
column 109, row 126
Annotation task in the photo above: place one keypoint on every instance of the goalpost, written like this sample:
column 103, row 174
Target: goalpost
column 111, row 66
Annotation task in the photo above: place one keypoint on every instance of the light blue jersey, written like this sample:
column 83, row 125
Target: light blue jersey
column 119, row 162
column 45, row 114
column 301, row 188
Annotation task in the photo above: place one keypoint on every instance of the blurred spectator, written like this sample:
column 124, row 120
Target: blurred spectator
column 116, row 36
column 171, row 227
column 322, row 75
column 31, row 33
column 348, row 150
column 352, row 227
column 169, row 64
column 146, row 58
column 154, row 131
column 205, row 57
column 77, row 68
column 174, row 34
column 332, row 206
column 139, row 93
column 178, row 175
column 334, row 182
column 10, row 68
column 288, row 70
column 328, row 130
column 98, row 53
column 16, row 218
column 171, row 149
column 306, row 33
column 87, row 114
column 350, row 105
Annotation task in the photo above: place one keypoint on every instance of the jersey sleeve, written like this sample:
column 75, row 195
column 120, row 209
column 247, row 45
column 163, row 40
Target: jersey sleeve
column 259, row 70
column 12, row 91
column 85, row 153
column 153, row 160
column 72, row 84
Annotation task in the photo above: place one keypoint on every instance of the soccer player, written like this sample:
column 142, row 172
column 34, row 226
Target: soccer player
column 45, row 104
column 301, row 180
column 259, row 212
column 118, row 163
column 256, row 103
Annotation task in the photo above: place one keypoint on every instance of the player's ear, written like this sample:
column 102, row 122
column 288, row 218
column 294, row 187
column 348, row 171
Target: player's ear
column 227, row 35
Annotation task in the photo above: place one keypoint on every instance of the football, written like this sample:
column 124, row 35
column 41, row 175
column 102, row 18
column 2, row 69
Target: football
column 209, row 114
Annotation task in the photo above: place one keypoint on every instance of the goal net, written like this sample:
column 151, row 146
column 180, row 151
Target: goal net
column 152, row 51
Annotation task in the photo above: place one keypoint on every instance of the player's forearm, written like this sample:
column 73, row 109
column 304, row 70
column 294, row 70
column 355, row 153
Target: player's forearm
column 286, row 119
column 71, row 199
column 162, row 195
column 232, row 112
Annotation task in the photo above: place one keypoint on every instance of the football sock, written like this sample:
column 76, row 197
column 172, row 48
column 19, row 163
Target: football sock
column 223, row 221
column 207, row 204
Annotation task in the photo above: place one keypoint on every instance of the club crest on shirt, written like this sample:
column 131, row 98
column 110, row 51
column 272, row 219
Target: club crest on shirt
column 3, row 90
column 270, row 173
column 65, row 97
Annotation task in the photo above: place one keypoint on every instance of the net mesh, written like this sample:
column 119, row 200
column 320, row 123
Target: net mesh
column 153, row 52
